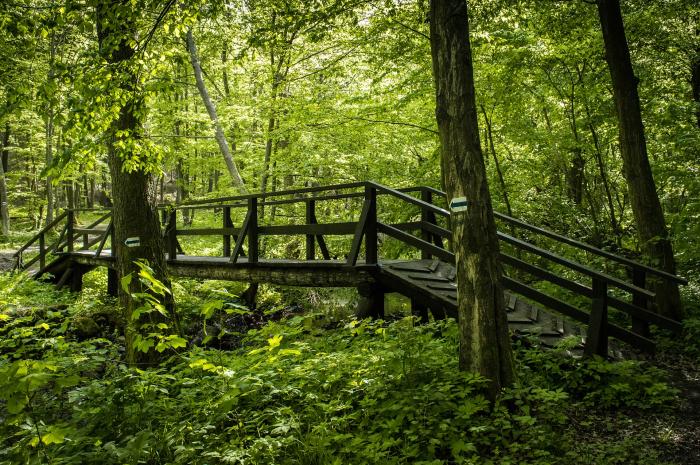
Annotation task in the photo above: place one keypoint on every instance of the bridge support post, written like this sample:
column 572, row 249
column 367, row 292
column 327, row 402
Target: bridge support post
column 112, row 282
column 371, row 304
column 75, row 281
column 227, row 237
column 426, row 217
column 310, row 238
column 253, row 249
column 420, row 311
column 639, row 326
column 371, row 228
column 597, row 335
column 171, row 232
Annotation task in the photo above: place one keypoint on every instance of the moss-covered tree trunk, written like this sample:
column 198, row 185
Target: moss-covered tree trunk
column 646, row 207
column 484, row 341
column 133, row 192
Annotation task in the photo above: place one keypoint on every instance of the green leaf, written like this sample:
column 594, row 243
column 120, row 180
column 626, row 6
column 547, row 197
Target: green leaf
column 209, row 308
column 126, row 281
column 177, row 341
column 274, row 341
column 54, row 436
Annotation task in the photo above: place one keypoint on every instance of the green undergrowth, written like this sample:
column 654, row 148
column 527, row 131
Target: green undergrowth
column 297, row 391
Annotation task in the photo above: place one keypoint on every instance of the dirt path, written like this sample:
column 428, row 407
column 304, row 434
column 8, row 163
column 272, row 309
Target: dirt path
column 6, row 262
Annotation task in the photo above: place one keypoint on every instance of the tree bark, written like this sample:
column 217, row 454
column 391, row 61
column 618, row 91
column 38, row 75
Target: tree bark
column 49, row 134
column 695, row 83
column 646, row 207
column 134, row 193
column 484, row 340
column 5, row 150
column 4, row 201
column 211, row 109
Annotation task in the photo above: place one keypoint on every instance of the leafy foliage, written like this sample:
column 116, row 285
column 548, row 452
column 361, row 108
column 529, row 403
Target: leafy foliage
column 294, row 392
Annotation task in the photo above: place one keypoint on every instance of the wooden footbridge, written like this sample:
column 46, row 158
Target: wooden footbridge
column 391, row 240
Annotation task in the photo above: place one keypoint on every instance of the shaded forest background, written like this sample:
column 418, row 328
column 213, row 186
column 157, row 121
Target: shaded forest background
column 309, row 94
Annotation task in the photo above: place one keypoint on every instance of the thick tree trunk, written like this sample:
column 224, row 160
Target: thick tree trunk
column 211, row 109
column 484, row 340
column 134, row 193
column 646, row 207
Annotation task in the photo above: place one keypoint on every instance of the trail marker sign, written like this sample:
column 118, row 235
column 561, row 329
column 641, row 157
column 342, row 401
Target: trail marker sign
column 458, row 204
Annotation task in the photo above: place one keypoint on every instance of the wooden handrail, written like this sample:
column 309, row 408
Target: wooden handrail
column 572, row 242
column 410, row 199
column 591, row 249
column 41, row 231
column 620, row 284
column 260, row 195
column 99, row 220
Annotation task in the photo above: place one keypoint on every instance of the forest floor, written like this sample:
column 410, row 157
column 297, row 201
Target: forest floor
column 6, row 261
column 335, row 390
column 684, row 426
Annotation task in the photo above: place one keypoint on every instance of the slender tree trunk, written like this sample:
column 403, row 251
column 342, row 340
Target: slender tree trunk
column 695, row 83
column 484, row 340
column 224, row 72
column 576, row 173
column 49, row 134
column 91, row 195
column 134, row 192
column 646, row 207
column 211, row 109
column 5, row 148
column 501, row 180
column 182, row 192
column 4, row 201
column 268, row 156
column 603, row 176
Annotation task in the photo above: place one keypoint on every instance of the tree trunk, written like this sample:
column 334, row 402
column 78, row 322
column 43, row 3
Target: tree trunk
column 603, row 176
column 5, row 149
column 134, row 193
column 646, row 207
column 211, row 109
column 4, row 202
column 501, row 180
column 224, row 71
column 695, row 83
column 182, row 191
column 49, row 134
column 484, row 339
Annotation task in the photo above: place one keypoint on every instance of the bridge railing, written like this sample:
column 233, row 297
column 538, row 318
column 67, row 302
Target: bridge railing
column 65, row 234
column 242, row 238
column 604, row 291
column 423, row 226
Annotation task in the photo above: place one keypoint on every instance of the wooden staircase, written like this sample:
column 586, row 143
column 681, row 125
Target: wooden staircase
column 433, row 282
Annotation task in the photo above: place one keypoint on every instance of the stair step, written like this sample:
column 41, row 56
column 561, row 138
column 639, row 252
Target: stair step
column 435, row 278
column 433, row 266
column 443, row 287
column 412, row 269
